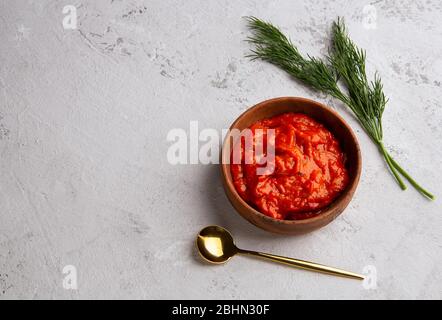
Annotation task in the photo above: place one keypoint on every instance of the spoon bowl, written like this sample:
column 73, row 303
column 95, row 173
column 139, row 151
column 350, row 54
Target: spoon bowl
column 215, row 244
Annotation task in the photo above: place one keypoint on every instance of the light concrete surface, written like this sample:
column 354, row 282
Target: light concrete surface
column 84, row 177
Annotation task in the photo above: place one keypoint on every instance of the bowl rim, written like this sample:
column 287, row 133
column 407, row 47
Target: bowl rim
column 324, row 212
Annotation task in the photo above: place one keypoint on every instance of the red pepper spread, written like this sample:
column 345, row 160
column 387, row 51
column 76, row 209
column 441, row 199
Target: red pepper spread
column 308, row 169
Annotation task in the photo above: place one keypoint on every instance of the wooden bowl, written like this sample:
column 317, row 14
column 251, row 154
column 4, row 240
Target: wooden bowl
column 333, row 122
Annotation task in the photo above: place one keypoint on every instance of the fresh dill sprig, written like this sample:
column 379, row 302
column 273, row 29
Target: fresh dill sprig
column 347, row 62
column 273, row 46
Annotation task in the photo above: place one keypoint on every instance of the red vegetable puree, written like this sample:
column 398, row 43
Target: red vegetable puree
column 308, row 170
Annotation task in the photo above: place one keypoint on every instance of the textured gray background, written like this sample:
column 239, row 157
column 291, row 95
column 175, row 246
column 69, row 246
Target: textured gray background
column 84, row 178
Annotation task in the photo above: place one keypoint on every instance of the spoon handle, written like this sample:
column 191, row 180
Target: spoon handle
column 302, row 264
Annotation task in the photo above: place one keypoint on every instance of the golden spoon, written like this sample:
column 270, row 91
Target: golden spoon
column 215, row 244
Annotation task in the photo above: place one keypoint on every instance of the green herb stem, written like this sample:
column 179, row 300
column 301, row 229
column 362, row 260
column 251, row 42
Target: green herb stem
column 390, row 164
column 411, row 180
